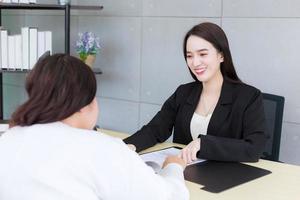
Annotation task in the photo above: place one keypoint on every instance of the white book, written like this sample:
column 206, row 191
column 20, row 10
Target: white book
column 33, row 40
column 11, row 52
column 24, row 1
column 25, row 47
column 15, row 1
column 41, row 43
column 18, row 51
column 48, row 41
column 0, row 53
column 4, row 49
column 6, row 1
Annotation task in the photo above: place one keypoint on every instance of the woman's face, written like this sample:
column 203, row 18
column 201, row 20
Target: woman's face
column 203, row 59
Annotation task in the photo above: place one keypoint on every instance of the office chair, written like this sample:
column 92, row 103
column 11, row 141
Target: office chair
column 273, row 106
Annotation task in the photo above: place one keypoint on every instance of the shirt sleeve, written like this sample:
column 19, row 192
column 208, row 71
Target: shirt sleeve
column 131, row 178
column 159, row 129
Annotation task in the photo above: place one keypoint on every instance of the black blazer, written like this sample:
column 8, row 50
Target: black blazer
column 236, row 131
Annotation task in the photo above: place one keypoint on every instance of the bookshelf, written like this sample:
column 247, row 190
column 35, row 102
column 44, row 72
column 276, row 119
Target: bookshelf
column 67, row 12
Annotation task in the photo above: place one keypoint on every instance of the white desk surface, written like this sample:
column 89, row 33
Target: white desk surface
column 282, row 184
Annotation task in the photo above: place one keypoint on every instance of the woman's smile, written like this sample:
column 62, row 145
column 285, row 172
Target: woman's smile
column 200, row 70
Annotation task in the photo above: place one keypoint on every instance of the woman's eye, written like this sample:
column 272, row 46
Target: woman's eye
column 203, row 54
column 188, row 56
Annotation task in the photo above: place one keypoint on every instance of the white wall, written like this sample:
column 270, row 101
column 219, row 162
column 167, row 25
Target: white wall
column 142, row 59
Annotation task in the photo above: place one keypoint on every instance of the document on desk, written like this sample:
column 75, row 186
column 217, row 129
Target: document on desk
column 159, row 156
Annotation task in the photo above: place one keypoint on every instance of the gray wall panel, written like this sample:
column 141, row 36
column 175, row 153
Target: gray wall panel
column 120, row 57
column 112, row 8
column 179, row 8
column 147, row 112
column 118, row 115
column 74, row 35
column 258, row 8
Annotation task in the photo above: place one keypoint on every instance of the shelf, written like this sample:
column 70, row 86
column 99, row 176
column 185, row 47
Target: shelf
column 95, row 70
column 78, row 7
column 31, row 6
column 67, row 12
column 46, row 6
column 14, row 71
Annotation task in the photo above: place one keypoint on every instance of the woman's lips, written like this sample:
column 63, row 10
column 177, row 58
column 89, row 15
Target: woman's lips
column 200, row 71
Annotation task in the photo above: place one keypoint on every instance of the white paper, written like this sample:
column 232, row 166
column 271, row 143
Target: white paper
column 160, row 156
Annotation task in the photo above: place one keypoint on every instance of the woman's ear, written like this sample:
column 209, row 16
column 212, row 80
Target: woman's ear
column 221, row 57
column 84, row 109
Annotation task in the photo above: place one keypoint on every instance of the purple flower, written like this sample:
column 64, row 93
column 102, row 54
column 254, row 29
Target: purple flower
column 88, row 43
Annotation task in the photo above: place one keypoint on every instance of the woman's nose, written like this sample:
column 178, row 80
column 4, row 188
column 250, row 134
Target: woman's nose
column 196, row 61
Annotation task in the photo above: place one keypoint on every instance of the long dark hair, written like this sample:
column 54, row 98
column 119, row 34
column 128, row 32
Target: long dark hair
column 216, row 36
column 57, row 87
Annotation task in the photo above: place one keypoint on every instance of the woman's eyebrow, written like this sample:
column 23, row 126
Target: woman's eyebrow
column 199, row 50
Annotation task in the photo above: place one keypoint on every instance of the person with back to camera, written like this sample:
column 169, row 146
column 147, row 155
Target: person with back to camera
column 218, row 116
column 51, row 152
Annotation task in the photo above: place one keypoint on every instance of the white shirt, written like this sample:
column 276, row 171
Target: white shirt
column 199, row 125
column 57, row 162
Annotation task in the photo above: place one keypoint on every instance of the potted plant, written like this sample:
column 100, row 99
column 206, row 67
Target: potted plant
column 87, row 46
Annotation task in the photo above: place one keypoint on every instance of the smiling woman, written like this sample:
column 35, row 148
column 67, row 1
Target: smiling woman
column 218, row 116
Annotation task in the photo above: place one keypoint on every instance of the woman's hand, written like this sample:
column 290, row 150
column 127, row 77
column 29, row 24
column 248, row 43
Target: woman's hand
column 189, row 153
column 131, row 147
column 174, row 159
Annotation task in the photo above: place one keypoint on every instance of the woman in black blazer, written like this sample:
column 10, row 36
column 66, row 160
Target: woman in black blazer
column 217, row 116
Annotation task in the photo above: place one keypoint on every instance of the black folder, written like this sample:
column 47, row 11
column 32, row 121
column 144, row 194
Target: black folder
column 219, row 176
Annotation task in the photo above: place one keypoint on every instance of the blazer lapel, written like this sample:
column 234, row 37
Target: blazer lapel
column 222, row 109
column 189, row 109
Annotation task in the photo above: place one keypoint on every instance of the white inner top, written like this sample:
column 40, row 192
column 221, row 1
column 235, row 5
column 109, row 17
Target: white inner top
column 199, row 124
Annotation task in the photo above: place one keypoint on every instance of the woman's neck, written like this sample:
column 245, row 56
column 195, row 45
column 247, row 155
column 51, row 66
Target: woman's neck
column 214, row 85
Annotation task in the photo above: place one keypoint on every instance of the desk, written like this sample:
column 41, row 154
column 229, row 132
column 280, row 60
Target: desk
column 282, row 184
